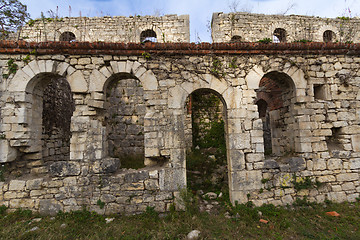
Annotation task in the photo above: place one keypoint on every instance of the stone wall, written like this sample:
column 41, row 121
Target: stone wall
column 251, row 27
column 168, row 28
column 322, row 109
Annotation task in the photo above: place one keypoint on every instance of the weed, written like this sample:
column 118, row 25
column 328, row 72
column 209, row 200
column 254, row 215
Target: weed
column 265, row 180
column 304, row 183
column 3, row 209
column 216, row 68
column 233, row 64
column 265, row 40
column 146, row 55
column 303, row 40
column 100, row 203
column 189, row 201
column 12, row 68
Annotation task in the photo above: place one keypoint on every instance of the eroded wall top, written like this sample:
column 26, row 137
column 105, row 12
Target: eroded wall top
column 249, row 27
column 168, row 28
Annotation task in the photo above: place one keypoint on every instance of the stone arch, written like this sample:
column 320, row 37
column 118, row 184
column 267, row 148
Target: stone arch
column 67, row 36
column 26, row 78
column 279, row 35
column 319, row 35
column 148, row 35
column 64, row 29
column 279, row 92
column 45, row 88
column 283, row 26
column 296, row 74
column 179, row 93
column 100, row 78
column 236, row 38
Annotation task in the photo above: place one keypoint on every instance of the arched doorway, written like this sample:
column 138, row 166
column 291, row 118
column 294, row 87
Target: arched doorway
column 206, row 161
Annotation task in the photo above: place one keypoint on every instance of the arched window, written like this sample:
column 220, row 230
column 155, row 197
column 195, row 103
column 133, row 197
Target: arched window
column 329, row 36
column 235, row 38
column 148, row 36
column 67, row 37
column 279, row 35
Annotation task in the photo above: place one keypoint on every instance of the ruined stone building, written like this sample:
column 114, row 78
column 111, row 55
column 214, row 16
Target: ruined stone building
column 75, row 115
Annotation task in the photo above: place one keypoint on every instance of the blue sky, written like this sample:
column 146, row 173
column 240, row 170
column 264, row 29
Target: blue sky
column 200, row 11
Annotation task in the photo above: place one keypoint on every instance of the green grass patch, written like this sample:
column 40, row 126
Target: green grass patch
column 295, row 222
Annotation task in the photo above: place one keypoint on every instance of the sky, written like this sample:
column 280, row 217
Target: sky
column 200, row 11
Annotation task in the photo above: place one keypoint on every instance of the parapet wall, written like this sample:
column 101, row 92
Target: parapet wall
column 254, row 27
column 168, row 28
column 315, row 133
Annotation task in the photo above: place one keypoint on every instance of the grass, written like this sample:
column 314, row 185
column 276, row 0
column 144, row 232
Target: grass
column 308, row 221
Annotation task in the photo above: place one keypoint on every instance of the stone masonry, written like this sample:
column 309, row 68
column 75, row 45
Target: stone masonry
column 309, row 94
column 168, row 28
column 249, row 27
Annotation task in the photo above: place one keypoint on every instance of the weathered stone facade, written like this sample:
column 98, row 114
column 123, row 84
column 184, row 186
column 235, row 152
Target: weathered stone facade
column 168, row 28
column 248, row 27
column 131, row 99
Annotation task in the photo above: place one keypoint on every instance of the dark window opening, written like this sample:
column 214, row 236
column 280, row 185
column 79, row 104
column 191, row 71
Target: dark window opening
column 279, row 35
column 329, row 36
column 264, row 115
column 334, row 141
column 319, row 91
column 148, row 36
column 235, row 38
column 67, row 37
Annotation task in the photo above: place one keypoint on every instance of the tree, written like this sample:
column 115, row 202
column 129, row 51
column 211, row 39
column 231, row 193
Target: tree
column 13, row 14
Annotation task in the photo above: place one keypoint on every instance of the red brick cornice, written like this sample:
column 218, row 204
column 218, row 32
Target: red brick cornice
column 95, row 48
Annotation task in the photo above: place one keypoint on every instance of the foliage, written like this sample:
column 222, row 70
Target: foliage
column 265, row 40
column 146, row 55
column 100, row 203
column 216, row 68
column 13, row 14
column 304, row 183
column 12, row 68
column 303, row 40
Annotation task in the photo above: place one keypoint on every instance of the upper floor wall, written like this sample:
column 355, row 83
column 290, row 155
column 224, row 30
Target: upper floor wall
column 168, row 28
column 248, row 27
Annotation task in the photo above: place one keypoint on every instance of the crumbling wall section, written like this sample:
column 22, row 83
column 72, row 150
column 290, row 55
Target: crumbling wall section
column 250, row 27
column 168, row 78
column 168, row 28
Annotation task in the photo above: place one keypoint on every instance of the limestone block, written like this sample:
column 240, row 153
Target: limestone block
column 132, row 186
column 97, row 81
column 303, row 147
column 253, row 77
column 237, row 160
column 77, row 82
column 7, row 153
column 239, row 141
column 346, row 177
column 34, row 184
column 151, row 184
column 84, row 61
column 63, row 168
column 17, row 185
column 254, row 157
column 49, row 207
column 138, row 176
column 149, row 81
column 319, row 164
column 106, row 165
column 34, row 67
column 246, row 180
column 337, row 197
column 348, row 186
column 333, row 164
column 232, row 97
column 19, row 82
column 107, row 198
column 354, row 163
column 22, row 203
column 355, row 142
column 326, row 178
column 172, row 179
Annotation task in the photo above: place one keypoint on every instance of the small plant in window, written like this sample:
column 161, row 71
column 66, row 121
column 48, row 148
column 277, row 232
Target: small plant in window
column 265, row 40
